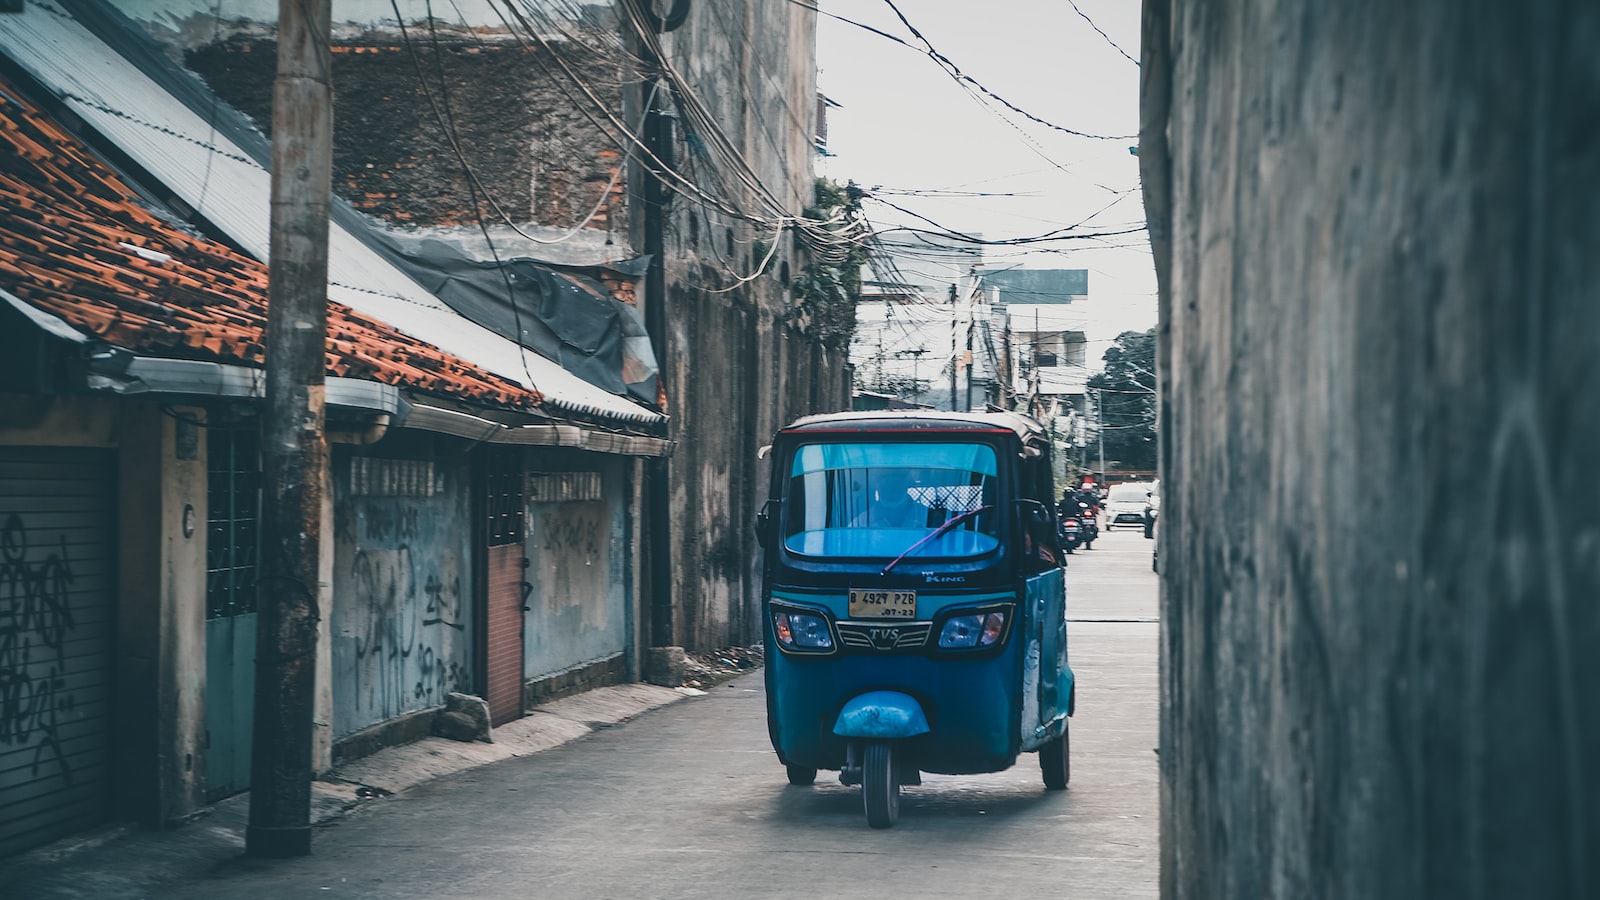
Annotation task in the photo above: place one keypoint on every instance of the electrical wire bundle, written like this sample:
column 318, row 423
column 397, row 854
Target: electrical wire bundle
column 724, row 180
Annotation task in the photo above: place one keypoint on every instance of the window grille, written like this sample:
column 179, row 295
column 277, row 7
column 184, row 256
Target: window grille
column 505, row 498
column 233, row 520
column 564, row 487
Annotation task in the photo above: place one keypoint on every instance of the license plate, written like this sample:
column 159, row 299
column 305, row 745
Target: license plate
column 883, row 604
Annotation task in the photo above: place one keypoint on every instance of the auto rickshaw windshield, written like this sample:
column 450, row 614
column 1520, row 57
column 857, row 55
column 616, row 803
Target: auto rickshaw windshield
column 874, row 500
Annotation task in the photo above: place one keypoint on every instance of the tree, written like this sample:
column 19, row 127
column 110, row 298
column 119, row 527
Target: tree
column 1126, row 389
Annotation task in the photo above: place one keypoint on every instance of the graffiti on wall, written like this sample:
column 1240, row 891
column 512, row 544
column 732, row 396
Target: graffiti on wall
column 577, row 607
column 579, row 532
column 399, row 649
column 403, row 621
column 35, row 622
column 381, row 524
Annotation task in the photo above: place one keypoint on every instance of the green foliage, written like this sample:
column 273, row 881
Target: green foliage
column 1127, row 391
column 829, row 196
column 826, row 291
column 827, row 304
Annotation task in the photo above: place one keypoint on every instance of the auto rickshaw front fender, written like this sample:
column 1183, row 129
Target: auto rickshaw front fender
column 881, row 714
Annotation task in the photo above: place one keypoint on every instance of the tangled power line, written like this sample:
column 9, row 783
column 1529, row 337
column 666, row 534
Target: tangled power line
column 716, row 176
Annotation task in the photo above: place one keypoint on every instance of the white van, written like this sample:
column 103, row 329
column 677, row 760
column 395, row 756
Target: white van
column 1126, row 503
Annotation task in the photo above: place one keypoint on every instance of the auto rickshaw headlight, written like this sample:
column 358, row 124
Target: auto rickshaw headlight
column 801, row 630
column 977, row 630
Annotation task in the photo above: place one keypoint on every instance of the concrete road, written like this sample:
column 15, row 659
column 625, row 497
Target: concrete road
column 689, row 801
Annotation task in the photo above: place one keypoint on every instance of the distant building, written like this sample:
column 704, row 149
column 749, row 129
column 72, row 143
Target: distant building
column 1039, row 285
column 1014, row 337
column 1046, row 315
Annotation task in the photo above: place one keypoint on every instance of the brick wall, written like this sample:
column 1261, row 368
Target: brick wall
column 536, row 155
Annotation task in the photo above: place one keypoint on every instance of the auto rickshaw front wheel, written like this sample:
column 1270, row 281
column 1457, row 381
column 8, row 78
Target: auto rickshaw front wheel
column 1055, row 761
column 880, row 789
column 801, row 775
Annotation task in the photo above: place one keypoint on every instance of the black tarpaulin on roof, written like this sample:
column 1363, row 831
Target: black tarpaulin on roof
column 569, row 318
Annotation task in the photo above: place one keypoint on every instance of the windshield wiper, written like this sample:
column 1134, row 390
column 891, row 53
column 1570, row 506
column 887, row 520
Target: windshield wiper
column 949, row 524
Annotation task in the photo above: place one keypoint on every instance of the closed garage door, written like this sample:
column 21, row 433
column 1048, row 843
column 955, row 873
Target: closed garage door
column 57, row 578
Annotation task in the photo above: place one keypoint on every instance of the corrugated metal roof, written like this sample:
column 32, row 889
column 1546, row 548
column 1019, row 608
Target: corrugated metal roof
column 224, row 184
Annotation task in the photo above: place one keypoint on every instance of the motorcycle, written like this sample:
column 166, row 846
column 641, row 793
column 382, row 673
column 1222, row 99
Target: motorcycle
column 1089, row 522
column 1071, row 533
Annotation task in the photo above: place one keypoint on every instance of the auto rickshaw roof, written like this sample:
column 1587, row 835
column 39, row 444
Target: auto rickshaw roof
column 1024, row 427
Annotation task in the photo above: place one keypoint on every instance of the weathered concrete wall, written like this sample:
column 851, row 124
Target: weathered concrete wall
column 1378, row 244
column 161, row 611
column 402, row 621
column 738, row 363
column 580, row 608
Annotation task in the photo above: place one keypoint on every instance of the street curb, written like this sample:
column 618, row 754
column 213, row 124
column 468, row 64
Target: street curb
column 120, row 859
column 395, row 769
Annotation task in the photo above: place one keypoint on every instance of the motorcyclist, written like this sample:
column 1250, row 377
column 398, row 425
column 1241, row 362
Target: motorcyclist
column 1068, row 504
column 1091, row 494
column 1085, row 495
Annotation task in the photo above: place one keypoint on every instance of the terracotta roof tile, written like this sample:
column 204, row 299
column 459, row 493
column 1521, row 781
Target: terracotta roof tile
column 75, row 242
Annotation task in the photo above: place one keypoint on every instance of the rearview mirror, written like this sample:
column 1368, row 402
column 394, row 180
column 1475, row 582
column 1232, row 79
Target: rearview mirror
column 1041, row 543
column 766, row 523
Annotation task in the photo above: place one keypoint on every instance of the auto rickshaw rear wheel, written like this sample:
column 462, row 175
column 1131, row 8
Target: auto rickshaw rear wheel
column 801, row 775
column 1055, row 761
column 880, row 789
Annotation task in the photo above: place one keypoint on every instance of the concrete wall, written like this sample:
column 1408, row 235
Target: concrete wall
column 1378, row 246
column 738, row 363
column 162, row 609
column 403, row 621
column 581, row 605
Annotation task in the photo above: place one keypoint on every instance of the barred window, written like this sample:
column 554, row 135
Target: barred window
column 233, row 520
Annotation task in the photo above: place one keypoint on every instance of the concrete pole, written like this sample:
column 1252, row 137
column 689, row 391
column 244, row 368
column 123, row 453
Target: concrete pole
column 294, row 449
column 1100, row 428
column 662, row 631
column 967, row 404
column 658, row 495
column 954, row 349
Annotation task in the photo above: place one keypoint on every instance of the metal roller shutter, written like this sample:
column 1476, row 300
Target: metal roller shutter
column 57, row 615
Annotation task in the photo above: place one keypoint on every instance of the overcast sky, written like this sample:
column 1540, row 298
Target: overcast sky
column 906, row 125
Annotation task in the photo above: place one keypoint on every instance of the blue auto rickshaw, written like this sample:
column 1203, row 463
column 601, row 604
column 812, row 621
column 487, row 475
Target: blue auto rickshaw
column 914, row 600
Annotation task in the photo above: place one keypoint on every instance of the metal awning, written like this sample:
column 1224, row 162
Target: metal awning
column 119, row 371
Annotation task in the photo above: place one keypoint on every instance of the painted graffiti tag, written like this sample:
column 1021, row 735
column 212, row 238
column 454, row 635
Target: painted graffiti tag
column 576, row 531
column 35, row 622
column 382, row 524
column 444, row 606
column 407, row 610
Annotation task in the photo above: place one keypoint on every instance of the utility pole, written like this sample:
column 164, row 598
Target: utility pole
column 968, row 405
column 658, row 493
column 880, row 360
column 954, row 349
column 294, row 449
column 1100, row 428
